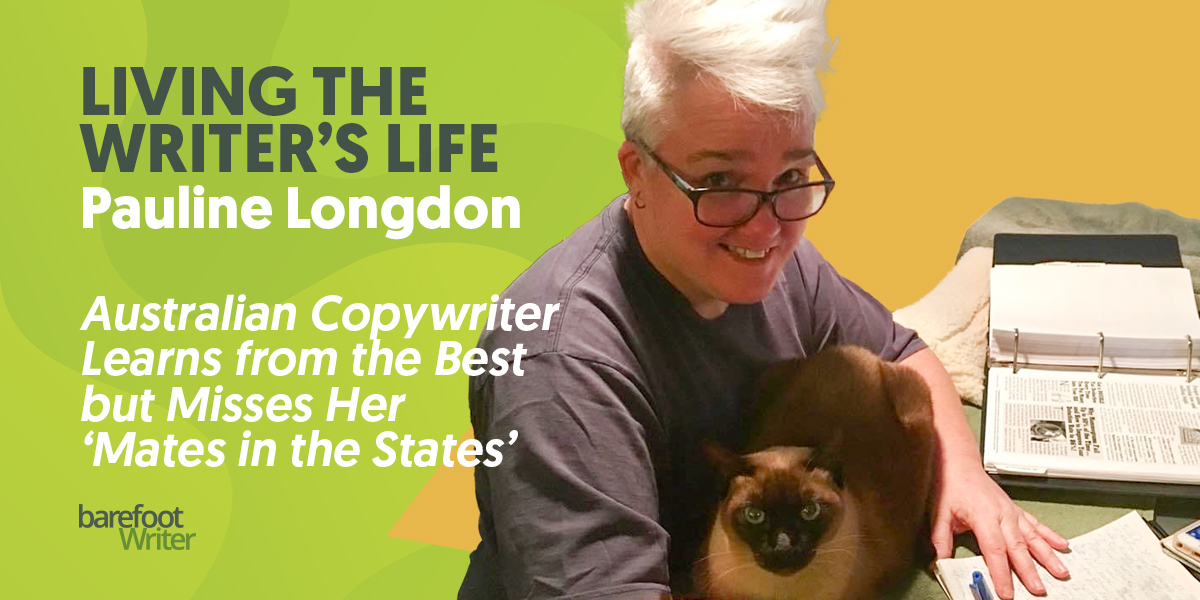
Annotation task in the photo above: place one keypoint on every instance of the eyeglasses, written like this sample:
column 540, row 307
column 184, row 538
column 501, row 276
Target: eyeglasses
column 730, row 207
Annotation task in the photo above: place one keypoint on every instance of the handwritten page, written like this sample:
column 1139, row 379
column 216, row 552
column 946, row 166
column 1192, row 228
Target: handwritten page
column 1120, row 560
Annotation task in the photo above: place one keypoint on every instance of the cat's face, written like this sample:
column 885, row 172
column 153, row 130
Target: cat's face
column 782, row 503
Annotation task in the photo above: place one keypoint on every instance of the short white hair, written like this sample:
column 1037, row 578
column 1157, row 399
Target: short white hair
column 765, row 53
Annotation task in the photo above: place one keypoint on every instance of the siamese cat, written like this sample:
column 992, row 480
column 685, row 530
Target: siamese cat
column 830, row 498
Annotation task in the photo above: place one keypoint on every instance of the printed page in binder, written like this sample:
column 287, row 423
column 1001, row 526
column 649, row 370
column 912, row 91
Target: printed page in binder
column 1061, row 309
column 1121, row 426
column 1119, row 560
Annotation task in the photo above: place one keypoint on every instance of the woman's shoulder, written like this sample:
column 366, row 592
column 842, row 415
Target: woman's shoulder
column 579, row 287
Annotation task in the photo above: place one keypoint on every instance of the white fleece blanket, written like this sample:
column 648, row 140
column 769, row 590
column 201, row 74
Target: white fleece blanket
column 953, row 317
column 953, row 320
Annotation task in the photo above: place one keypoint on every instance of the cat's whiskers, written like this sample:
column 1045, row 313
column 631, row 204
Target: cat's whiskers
column 849, row 539
column 840, row 567
column 831, row 553
column 831, row 549
column 732, row 569
column 852, row 536
column 713, row 555
column 844, row 559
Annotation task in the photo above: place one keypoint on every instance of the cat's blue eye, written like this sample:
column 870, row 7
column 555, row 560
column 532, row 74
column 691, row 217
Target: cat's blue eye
column 810, row 511
column 754, row 515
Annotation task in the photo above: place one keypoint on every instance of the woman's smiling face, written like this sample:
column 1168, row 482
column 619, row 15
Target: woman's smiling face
column 713, row 141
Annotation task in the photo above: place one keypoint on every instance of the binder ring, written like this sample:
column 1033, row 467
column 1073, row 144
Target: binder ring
column 1189, row 367
column 1017, row 344
column 1100, row 363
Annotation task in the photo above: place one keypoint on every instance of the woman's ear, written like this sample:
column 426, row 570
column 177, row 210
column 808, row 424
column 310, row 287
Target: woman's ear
column 631, row 164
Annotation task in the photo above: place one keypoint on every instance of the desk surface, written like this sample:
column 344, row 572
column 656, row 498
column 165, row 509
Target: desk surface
column 1068, row 513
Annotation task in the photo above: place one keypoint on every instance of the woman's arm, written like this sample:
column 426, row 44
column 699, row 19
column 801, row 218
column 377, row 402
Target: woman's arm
column 966, row 498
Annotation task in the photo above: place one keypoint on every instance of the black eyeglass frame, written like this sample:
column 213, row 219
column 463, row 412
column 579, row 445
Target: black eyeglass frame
column 694, row 193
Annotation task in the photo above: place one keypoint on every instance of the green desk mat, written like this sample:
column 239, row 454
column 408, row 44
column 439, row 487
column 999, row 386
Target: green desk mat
column 1069, row 513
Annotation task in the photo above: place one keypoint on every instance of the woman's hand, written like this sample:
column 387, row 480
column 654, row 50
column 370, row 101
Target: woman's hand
column 967, row 499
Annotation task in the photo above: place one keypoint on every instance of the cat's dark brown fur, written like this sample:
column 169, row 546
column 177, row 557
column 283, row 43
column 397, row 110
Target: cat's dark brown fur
column 843, row 432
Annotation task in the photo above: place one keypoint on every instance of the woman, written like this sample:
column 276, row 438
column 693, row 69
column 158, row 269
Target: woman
column 672, row 299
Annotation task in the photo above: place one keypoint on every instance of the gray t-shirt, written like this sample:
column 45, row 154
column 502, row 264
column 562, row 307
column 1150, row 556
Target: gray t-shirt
column 605, row 494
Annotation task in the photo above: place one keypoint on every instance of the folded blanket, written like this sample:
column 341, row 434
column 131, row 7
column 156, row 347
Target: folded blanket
column 953, row 320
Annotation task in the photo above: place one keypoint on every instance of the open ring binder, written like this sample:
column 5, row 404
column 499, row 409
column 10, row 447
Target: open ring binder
column 1187, row 369
column 1110, row 400
column 1016, row 345
column 1109, row 304
column 1189, row 363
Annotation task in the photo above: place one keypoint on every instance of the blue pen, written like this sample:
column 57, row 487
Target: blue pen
column 979, row 585
column 975, row 592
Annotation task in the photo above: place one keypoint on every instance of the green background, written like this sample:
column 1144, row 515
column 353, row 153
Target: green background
column 276, row 531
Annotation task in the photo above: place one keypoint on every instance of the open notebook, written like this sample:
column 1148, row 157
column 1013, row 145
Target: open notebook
column 1092, row 373
column 1120, row 560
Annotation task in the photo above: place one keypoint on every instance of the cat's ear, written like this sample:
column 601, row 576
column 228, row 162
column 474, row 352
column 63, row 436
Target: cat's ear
column 909, row 395
column 726, row 463
column 828, row 458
